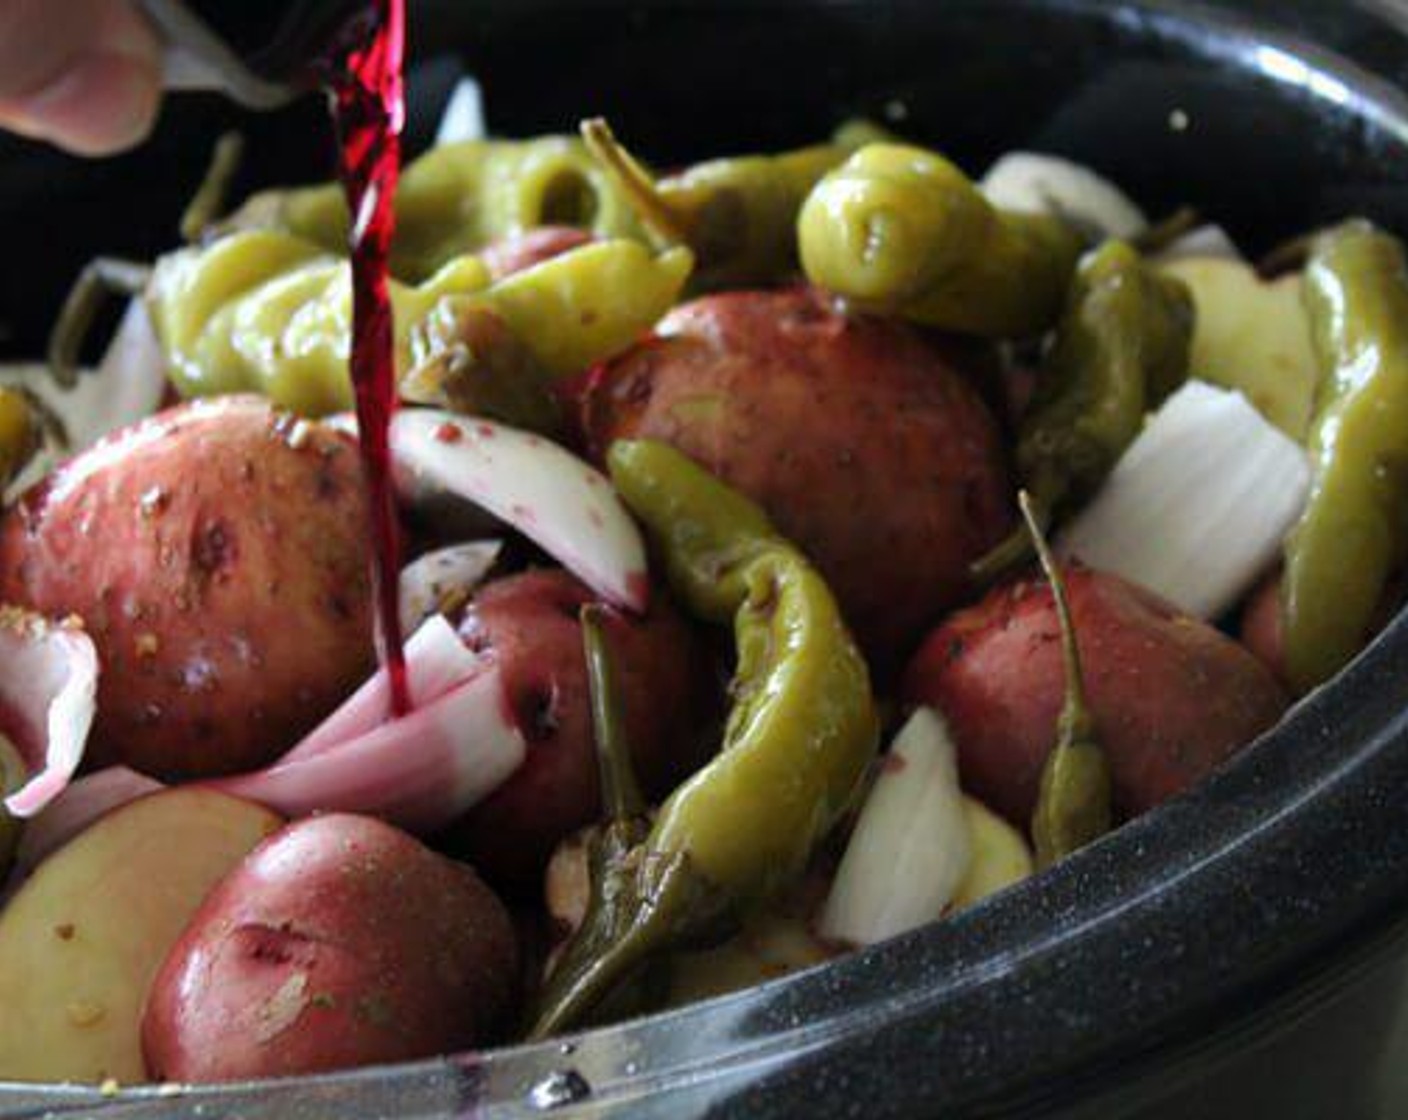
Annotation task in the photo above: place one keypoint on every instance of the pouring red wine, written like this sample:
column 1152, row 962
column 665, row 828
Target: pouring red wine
column 367, row 90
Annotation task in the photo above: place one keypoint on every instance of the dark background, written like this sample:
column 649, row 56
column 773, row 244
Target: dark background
column 792, row 69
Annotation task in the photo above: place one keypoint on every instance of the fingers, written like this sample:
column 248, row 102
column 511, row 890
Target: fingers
column 84, row 74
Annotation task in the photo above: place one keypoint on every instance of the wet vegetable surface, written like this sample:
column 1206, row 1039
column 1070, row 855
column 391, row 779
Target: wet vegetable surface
column 925, row 955
column 1357, row 523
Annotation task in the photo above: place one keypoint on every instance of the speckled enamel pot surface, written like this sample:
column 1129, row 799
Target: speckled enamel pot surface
column 1234, row 953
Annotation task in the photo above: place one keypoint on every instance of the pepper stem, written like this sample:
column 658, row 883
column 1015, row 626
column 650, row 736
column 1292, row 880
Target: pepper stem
column 1074, row 802
column 100, row 280
column 640, row 899
column 1075, row 715
column 637, row 183
column 207, row 205
column 640, row 905
column 1165, row 232
column 1291, row 255
column 621, row 797
column 1012, row 552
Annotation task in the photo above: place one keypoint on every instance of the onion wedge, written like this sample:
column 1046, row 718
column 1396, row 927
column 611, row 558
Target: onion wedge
column 420, row 772
column 445, row 576
column 463, row 118
column 48, row 690
column 566, row 507
column 1198, row 507
column 911, row 849
column 436, row 661
column 1032, row 183
column 1202, row 243
column 343, row 764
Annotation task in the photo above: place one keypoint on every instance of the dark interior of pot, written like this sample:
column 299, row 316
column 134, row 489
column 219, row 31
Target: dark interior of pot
column 1178, row 934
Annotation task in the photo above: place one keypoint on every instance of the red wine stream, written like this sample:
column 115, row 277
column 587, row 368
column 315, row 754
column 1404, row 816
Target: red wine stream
column 368, row 96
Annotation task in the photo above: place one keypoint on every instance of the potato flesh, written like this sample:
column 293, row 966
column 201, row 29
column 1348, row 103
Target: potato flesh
column 775, row 944
column 1000, row 856
column 1254, row 337
column 82, row 940
column 769, row 947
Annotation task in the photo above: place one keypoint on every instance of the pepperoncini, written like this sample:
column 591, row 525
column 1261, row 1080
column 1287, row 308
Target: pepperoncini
column 269, row 312
column 900, row 230
column 799, row 739
column 457, row 198
column 1354, row 531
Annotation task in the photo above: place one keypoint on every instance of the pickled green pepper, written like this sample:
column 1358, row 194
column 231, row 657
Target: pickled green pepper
column 22, row 429
column 457, row 198
column 1121, row 349
column 801, row 734
column 269, row 312
column 1354, row 532
column 899, row 230
column 626, row 819
column 1075, row 802
column 738, row 215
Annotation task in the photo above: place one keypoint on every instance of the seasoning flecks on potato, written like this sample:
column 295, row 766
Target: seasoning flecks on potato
column 217, row 556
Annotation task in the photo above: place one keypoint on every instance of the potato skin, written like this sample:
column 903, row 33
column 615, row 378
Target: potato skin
column 338, row 942
column 216, row 554
column 858, row 436
column 1172, row 697
column 1261, row 623
column 1261, row 626
column 521, row 251
column 529, row 624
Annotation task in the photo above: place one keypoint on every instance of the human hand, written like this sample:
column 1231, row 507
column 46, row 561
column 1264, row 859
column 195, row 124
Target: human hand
column 83, row 74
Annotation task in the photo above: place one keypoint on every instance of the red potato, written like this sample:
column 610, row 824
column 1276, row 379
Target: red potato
column 529, row 624
column 1261, row 626
column 216, row 554
column 858, row 436
column 521, row 251
column 338, row 942
column 1172, row 697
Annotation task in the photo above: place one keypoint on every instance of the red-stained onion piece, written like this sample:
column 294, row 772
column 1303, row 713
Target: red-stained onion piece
column 436, row 661
column 76, row 808
column 419, row 772
column 48, row 688
column 447, row 573
column 566, row 507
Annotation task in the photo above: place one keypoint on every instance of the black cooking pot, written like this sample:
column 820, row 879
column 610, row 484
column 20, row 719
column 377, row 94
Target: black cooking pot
column 1237, row 952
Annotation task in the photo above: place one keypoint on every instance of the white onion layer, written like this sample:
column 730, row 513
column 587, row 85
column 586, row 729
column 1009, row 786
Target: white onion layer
column 463, row 118
column 1207, row 241
column 1034, row 183
column 446, row 573
column 566, row 507
column 420, row 772
column 436, row 661
column 1198, row 507
column 48, row 687
column 911, row 847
